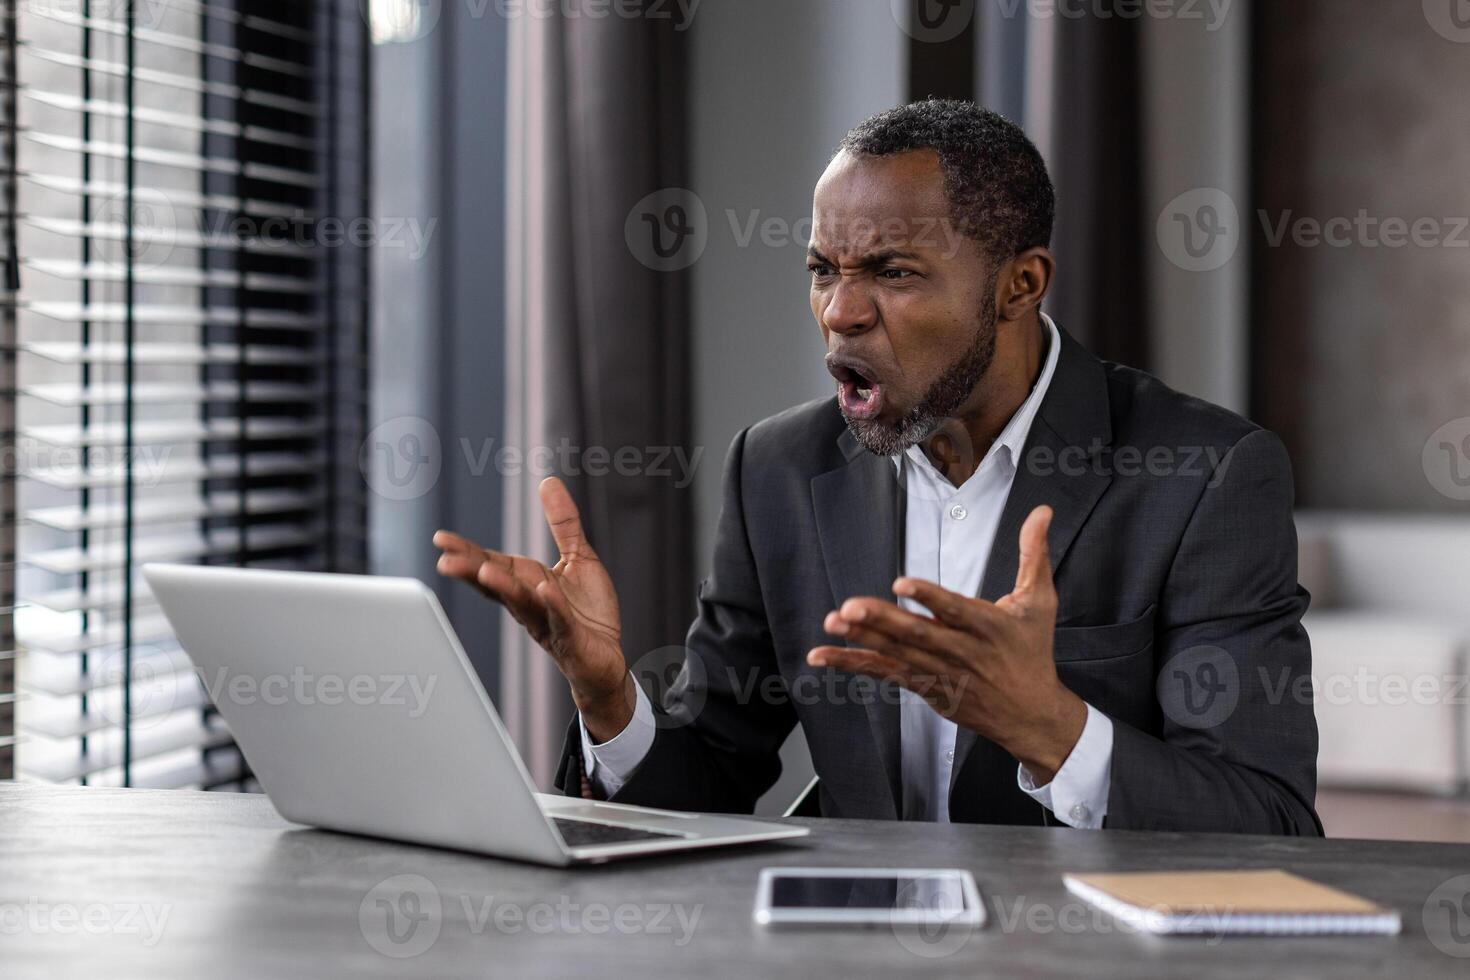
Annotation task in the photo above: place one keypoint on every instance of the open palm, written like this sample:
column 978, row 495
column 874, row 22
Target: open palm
column 570, row 609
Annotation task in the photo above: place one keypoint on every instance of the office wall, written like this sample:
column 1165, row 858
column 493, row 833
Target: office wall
column 1196, row 91
column 1362, row 334
column 438, row 311
column 405, row 298
column 776, row 85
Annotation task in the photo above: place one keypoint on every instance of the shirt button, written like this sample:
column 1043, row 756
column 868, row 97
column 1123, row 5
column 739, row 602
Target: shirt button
column 1079, row 812
column 949, row 757
column 958, row 512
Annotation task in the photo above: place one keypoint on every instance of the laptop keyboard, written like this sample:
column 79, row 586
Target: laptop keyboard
column 583, row 833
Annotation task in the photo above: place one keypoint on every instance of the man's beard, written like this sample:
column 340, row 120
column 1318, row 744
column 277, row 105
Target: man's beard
column 953, row 388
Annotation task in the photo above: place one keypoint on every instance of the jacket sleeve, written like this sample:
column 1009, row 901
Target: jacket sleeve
column 1238, row 746
column 722, row 723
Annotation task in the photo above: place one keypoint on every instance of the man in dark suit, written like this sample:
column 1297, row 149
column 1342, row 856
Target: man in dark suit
column 1097, row 619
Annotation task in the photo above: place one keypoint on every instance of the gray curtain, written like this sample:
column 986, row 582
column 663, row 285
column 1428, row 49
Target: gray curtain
column 596, row 341
column 1074, row 84
column 1132, row 112
column 1102, row 235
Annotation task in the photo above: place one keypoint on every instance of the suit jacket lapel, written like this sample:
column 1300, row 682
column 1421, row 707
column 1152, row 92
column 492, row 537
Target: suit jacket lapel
column 1059, row 466
column 859, row 522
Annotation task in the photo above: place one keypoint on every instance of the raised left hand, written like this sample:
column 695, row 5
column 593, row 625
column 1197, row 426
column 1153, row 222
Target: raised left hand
column 984, row 665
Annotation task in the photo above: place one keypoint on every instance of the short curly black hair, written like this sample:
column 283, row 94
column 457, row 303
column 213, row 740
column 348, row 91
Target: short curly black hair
column 997, row 184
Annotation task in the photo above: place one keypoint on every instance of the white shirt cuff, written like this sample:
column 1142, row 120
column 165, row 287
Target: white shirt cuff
column 610, row 764
column 1078, row 794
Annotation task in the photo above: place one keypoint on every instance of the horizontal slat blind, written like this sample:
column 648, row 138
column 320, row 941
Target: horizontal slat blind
column 188, row 351
column 8, row 477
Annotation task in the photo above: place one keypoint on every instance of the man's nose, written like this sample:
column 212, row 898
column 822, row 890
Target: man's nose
column 851, row 308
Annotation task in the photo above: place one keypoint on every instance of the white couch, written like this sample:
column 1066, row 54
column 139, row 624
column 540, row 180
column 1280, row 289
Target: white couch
column 1390, row 631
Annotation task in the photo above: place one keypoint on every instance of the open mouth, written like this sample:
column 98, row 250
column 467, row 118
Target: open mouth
column 859, row 392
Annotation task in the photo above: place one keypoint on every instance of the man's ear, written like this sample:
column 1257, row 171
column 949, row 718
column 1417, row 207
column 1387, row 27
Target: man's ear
column 1023, row 282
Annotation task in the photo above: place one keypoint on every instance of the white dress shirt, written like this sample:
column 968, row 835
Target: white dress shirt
column 949, row 532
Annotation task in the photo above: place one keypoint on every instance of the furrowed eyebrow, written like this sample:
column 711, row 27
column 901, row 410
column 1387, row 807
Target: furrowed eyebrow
column 886, row 256
column 871, row 260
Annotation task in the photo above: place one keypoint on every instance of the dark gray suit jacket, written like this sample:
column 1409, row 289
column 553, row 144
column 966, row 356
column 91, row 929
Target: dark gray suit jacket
column 1175, row 562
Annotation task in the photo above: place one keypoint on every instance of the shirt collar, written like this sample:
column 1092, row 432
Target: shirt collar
column 1013, row 437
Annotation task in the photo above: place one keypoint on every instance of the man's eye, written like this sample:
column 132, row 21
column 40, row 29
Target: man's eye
column 820, row 271
column 896, row 273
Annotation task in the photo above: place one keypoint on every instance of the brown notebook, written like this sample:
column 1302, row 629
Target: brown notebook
column 1212, row 902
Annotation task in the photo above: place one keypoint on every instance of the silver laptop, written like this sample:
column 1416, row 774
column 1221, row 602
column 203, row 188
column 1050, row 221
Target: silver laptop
column 358, row 711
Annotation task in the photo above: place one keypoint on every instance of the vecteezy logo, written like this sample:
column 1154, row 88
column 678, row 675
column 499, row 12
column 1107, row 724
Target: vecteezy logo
column 668, row 230
column 673, row 678
column 941, row 900
column 400, row 21
column 1449, row 18
column 401, row 458
column 1200, row 687
column 948, row 445
column 933, row 21
column 145, row 229
column 401, row 916
column 1200, row 230
column 1446, row 917
column 152, row 690
column 1446, row 459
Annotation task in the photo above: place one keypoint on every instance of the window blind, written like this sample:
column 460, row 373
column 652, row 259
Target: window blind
column 7, row 395
column 187, row 347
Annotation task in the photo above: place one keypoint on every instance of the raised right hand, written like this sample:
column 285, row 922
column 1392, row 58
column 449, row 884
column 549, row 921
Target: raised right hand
column 570, row 609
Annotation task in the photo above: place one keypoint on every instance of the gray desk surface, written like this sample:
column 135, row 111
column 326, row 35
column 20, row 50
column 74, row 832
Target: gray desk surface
column 133, row 883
